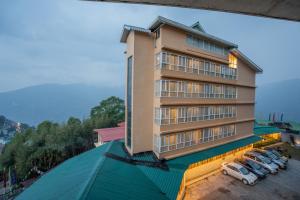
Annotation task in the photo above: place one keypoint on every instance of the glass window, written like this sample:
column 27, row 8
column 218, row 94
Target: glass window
column 206, row 134
column 180, row 140
column 172, row 141
column 129, row 101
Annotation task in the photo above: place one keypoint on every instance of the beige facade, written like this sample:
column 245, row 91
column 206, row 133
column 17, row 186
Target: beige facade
column 185, row 98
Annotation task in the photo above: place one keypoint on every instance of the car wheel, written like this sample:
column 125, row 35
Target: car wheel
column 245, row 182
column 225, row 172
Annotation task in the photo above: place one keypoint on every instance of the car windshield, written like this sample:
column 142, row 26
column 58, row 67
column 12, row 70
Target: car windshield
column 276, row 153
column 255, row 165
column 273, row 156
column 265, row 160
column 244, row 171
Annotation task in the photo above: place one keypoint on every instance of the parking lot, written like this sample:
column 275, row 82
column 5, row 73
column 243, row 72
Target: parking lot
column 284, row 185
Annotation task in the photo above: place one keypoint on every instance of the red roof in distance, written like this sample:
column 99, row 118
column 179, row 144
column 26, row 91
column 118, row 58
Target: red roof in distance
column 110, row 134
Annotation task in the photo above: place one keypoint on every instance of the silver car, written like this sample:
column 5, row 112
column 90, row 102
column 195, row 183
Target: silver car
column 272, row 157
column 265, row 162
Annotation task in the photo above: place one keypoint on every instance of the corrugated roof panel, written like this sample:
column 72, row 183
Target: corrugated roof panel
column 67, row 179
column 263, row 130
column 185, row 161
column 92, row 175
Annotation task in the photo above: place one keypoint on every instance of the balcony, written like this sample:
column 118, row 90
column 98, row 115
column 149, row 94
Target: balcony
column 180, row 66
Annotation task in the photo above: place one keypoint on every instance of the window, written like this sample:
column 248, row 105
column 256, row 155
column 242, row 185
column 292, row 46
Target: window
column 173, row 116
column 129, row 101
column 182, row 114
column 157, row 116
column 205, row 45
column 164, row 143
column 172, row 141
column 165, row 116
column 157, row 33
column 206, row 134
column 192, row 89
column 186, row 64
column 158, row 60
column 180, row 140
column 182, row 63
column 194, row 137
column 200, row 136
column 232, row 61
column 189, row 138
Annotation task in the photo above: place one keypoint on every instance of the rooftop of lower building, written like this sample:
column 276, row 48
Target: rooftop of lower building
column 110, row 172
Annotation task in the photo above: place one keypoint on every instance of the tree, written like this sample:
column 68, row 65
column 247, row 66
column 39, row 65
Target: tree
column 109, row 113
column 39, row 149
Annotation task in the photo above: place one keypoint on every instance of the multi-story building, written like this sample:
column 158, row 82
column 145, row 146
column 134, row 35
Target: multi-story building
column 189, row 107
column 186, row 89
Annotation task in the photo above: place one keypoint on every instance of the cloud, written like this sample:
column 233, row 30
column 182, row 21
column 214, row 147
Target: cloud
column 64, row 41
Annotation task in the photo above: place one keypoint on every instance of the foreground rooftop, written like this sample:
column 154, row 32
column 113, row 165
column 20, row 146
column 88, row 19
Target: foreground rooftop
column 108, row 172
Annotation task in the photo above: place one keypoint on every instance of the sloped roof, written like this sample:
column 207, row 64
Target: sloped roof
column 184, row 161
column 162, row 20
column 93, row 175
column 247, row 60
column 110, row 134
column 263, row 130
column 195, row 29
column 128, row 28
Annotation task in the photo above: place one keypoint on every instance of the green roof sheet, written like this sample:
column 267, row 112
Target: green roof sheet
column 263, row 130
column 184, row 161
column 92, row 175
column 295, row 126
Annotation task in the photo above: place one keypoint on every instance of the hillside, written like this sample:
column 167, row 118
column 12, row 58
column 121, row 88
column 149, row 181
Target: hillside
column 278, row 97
column 8, row 129
column 55, row 102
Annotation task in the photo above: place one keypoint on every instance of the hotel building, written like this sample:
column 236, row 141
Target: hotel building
column 186, row 90
column 190, row 100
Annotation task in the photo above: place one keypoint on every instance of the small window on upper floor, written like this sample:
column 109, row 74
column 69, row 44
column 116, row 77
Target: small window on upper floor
column 232, row 61
column 157, row 33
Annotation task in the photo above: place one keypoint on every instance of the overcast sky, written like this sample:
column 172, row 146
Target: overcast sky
column 69, row 41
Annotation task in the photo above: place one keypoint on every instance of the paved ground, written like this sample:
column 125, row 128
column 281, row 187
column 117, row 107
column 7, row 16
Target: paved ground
column 285, row 185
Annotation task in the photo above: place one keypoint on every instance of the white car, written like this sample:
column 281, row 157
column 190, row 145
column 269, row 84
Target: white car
column 238, row 171
column 265, row 162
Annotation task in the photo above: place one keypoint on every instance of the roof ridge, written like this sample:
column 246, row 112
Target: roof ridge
column 143, row 172
column 109, row 128
column 90, row 180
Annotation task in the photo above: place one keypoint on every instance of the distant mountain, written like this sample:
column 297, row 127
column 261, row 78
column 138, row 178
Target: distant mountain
column 279, row 97
column 53, row 102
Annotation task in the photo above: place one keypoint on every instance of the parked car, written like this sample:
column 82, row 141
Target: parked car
column 253, row 167
column 238, row 171
column 272, row 157
column 265, row 162
column 282, row 157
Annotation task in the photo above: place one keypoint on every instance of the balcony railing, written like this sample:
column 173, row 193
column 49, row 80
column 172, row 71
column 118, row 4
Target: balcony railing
column 174, row 62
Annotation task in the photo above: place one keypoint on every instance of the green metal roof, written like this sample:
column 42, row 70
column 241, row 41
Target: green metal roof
column 184, row 161
column 263, row 130
column 92, row 175
column 295, row 126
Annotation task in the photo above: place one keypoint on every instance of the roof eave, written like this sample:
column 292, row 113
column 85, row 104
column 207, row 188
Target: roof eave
column 128, row 28
column 247, row 60
column 124, row 35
